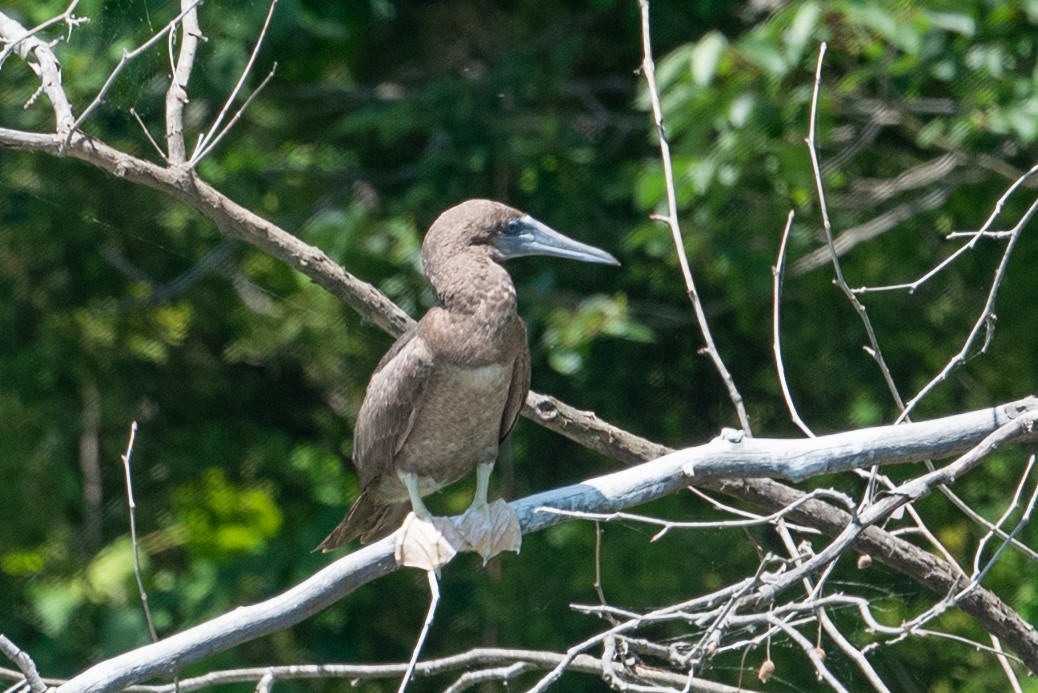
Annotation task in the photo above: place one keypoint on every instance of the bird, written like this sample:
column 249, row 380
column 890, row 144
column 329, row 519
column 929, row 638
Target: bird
column 448, row 392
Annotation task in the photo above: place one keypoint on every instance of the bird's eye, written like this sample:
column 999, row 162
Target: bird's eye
column 514, row 227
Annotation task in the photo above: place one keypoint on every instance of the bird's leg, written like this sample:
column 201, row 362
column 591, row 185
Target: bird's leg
column 410, row 481
column 489, row 528
column 424, row 541
column 483, row 472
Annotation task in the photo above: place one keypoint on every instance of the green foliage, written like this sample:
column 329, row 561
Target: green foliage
column 245, row 377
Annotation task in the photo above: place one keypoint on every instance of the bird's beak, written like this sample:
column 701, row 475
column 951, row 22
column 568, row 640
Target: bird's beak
column 527, row 236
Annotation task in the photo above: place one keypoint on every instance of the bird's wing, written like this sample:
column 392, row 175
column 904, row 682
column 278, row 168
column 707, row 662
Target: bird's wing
column 390, row 406
column 517, row 389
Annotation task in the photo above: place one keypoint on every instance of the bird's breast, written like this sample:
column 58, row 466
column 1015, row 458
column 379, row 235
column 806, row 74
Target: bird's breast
column 457, row 424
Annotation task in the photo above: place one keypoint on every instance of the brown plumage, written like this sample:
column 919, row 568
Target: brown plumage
column 449, row 391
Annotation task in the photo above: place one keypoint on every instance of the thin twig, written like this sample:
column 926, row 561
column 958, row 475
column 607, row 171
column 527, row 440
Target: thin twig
column 434, row 599
column 1011, row 506
column 985, row 323
column 1007, row 669
column 874, row 351
column 667, row 525
column 123, row 61
column 598, row 570
column 473, row 678
column 199, row 155
column 133, row 532
column 206, row 142
column 649, row 71
column 974, row 236
column 67, row 17
column 855, row 654
column 776, row 329
column 147, row 134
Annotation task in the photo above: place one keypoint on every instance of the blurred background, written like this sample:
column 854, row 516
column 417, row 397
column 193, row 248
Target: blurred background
column 119, row 304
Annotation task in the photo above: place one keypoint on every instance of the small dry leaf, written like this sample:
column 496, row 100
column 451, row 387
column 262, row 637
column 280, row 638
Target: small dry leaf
column 767, row 668
column 864, row 561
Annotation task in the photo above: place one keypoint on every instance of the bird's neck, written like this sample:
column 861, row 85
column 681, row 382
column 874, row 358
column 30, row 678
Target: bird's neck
column 477, row 291
column 475, row 323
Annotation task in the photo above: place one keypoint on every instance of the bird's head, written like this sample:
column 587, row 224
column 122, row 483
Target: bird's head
column 500, row 233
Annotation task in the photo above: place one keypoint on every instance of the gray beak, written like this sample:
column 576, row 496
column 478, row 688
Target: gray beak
column 527, row 236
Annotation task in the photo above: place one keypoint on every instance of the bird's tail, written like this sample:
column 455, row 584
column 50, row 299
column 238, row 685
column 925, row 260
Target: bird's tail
column 367, row 519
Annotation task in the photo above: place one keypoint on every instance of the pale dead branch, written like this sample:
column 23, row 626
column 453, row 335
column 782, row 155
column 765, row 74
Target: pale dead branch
column 127, row 56
column 611, row 493
column 213, row 136
column 671, row 219
column 176, row 95
column 125, row 458
column 24, row 663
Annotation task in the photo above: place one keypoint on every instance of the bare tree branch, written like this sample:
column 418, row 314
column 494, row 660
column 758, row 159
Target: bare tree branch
column 776, row 328
column 132, row 505
column 68, row 17
column 812, row 148
column 123, row 62
column 474, row 661
column 46, row 67
column 611, row 493
column 176, row 95
column 649, row 71
column 211, row 138
column 24, row 663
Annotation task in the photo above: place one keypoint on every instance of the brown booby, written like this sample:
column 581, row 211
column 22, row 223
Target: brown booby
column 449, row 391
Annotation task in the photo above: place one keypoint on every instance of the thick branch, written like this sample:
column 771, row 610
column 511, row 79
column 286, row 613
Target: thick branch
column 608, row 493
column 25, row 663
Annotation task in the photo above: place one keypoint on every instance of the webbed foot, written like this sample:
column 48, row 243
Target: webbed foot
column 427, row 542
column 490, row 528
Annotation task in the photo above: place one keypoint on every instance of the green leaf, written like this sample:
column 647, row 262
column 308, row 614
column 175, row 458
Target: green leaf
column 801, row 30
column 706, row 56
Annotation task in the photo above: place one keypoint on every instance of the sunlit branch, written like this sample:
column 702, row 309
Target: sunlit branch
column 133, row 531
column 67, row 17
column 199, row 155
column 776, row 328
column 434, row 600
column 47, row 68
column 985, row 323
